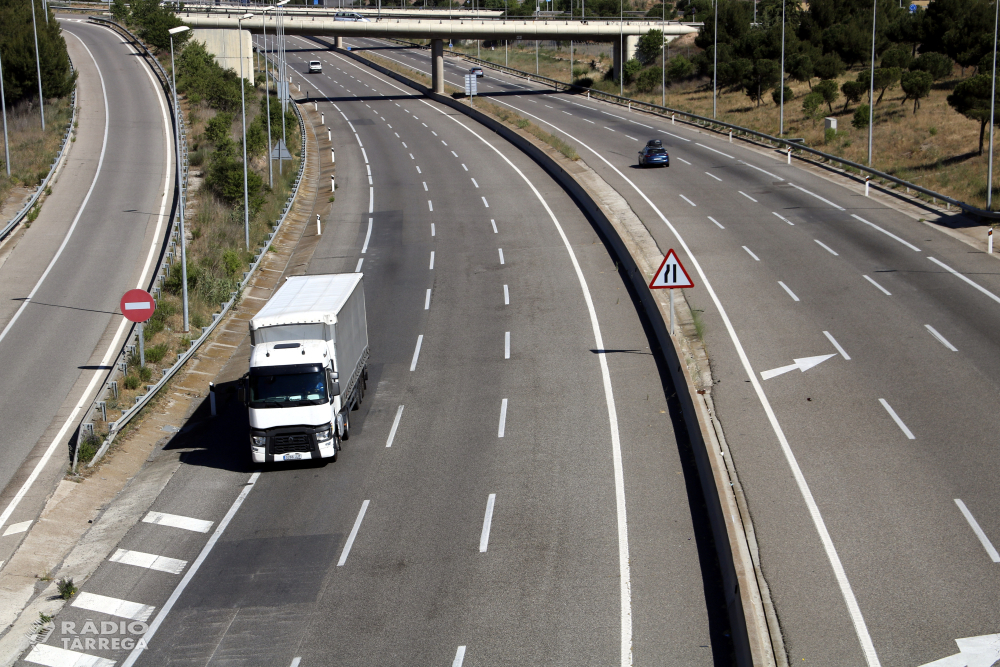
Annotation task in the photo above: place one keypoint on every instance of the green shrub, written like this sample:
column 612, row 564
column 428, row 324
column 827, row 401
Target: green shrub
column 860, row 120
column 776, row 95
column 649, row 79
column 155, row 353
column 631, row 69
column 131, row 381
column 585, row 82
column 679, row 68
column 173, row 282
column 86, row 448
column 145, row 373
column 829, row 135
column 811, row 102
column 67, row 588
column 217, row 130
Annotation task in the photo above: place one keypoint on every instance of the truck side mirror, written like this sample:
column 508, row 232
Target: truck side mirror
column 335, row 388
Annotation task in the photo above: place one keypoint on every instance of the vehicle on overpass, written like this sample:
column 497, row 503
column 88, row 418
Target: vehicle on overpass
column 308, row 367
column 653, row 153
column 349, row 16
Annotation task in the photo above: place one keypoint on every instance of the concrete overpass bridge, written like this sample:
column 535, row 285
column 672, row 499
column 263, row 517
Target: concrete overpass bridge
column 623, row 35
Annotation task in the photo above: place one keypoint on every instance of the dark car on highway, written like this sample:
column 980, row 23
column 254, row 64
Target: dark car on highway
column 653, row 153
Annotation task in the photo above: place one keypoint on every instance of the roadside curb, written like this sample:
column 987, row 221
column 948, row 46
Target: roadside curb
column 755, row 640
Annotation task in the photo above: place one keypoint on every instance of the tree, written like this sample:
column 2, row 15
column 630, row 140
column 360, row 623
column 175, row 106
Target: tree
column 853, row 92
column 649, row 79
column 120, row 11
column 827, row 88
column 679, row 68
column 971, row 98
column 916, row 85
column 154, row 20
column 762, row 77
column 885, row 78
column 937, row 65
column 898, row 56
column 218, row 128
column 800, row 68
column 657, row 12
column 860, row 120
column 811, row 102
column 776, row 95
column 829, row 66
column 631, row 69
column 650, row 46
column 17, row 50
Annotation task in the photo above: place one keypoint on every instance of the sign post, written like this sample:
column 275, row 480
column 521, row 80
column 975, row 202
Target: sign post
column 138, row 306
column 671, row 275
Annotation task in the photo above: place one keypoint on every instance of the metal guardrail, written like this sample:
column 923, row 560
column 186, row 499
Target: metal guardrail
column 115, row 427
column 16, row 220
column 713, row 124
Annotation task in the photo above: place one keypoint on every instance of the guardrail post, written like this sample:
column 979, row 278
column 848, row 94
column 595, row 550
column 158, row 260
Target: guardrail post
column 867, row 178
column 672, row 120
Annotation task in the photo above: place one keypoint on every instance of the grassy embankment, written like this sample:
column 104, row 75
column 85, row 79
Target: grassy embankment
column 935, row 148
column 216, row 252
column 32, row 150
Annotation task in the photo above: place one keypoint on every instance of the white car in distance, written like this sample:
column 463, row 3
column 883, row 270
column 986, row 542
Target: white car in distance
column 315, row 67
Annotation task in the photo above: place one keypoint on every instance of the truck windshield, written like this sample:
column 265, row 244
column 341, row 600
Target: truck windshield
column 282, row 391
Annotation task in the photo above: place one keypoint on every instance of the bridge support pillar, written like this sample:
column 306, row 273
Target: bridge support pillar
column 631, row 44
column 338, row 42
column 437, row 65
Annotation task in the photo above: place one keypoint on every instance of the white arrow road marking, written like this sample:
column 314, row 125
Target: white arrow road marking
column 803, row 365
column 980, row 651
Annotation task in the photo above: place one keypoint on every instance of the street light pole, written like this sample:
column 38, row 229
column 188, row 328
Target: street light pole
column 993, row 97
column 243, row 103
column 180, row 186
column 871, row 88
column 267, row 97
column 781, row 117
column 715, row 63
column 38, row 65
column 3, row 102
column 663, row 53
column 621, row 48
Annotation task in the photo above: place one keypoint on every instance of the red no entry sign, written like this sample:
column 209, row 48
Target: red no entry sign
column 137, row 305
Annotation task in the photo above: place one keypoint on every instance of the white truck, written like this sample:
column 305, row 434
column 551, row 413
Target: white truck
column 308, row 367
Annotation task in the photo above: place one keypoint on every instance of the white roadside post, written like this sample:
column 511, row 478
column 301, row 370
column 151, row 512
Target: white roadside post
column 319, row 231
column 322, row 118
column 867, row 181
column 180, row 179
column 671, row 275
column 989, row 235
column 333, row 185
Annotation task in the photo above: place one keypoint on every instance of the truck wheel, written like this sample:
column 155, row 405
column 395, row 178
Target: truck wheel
column 347, row 427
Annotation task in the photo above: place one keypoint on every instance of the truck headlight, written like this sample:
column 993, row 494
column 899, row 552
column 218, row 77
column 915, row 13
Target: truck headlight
column 325, row 435
column 258, row 440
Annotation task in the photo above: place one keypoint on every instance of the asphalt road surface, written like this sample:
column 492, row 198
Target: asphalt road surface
column 514, row 490
column 871, row 475
column 98, row 235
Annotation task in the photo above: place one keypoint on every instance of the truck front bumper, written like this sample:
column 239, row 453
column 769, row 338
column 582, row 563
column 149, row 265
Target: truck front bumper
column 292, row 443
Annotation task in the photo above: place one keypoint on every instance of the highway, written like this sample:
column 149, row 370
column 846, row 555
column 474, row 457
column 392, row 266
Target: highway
column 871, row 475
column 98, row 235
column 513, row 490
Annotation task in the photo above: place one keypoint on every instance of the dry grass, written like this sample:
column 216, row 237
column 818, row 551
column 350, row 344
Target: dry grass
column 31, row 150
column 935, row 148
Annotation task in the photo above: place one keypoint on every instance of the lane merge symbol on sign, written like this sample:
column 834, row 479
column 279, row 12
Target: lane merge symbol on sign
column 137, row 305
column 671, row 274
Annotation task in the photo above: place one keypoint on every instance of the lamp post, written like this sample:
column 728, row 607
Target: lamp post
column 715, row 57
column 180, row 187
column 38, row 65
column 993, row 97
column 243, row 103
column 621, row 48
column 663, row 53
column 781, row 115
column 3, row 102
column 871, row 88
column 284, row 82
column 267, row 97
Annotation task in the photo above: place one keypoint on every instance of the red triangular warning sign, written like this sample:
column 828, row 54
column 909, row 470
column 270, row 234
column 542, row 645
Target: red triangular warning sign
column 671, row 274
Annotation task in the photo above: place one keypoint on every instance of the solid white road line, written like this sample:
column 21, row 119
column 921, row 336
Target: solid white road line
column 150, row 561
column 985, row 541
column 357, row 269
column 688, row 200
column 784, row 218
column 354, row 533
column 715, row 151
column 113, row 606
column 494, row 223
column 895, row 418
column 368, row 237
column 747, row 196
column 53, row 656
column 624, row 571
column 884, row 290
column 751, row 254
column 747, row 164
column 826, row 247
column 825, row 201
column 416, row 352
column 506, row 345
column 427, row 300
column 941, row 339
column 790, row 292
column 432, row 261
column 833, row 340
column 395, row 425
column 959, row 275
column 15, row 528
column 713, row 176
column 177, row 521
column 716, row 222
column 887, row 233
column 459, row 657
column 501, row 254
column 506, row 296
column 484, row 537
column 503, row 418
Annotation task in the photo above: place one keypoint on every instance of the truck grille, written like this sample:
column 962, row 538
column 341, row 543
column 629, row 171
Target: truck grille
column 285, row 444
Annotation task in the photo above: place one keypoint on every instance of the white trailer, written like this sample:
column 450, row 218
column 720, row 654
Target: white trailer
column 308, row 367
